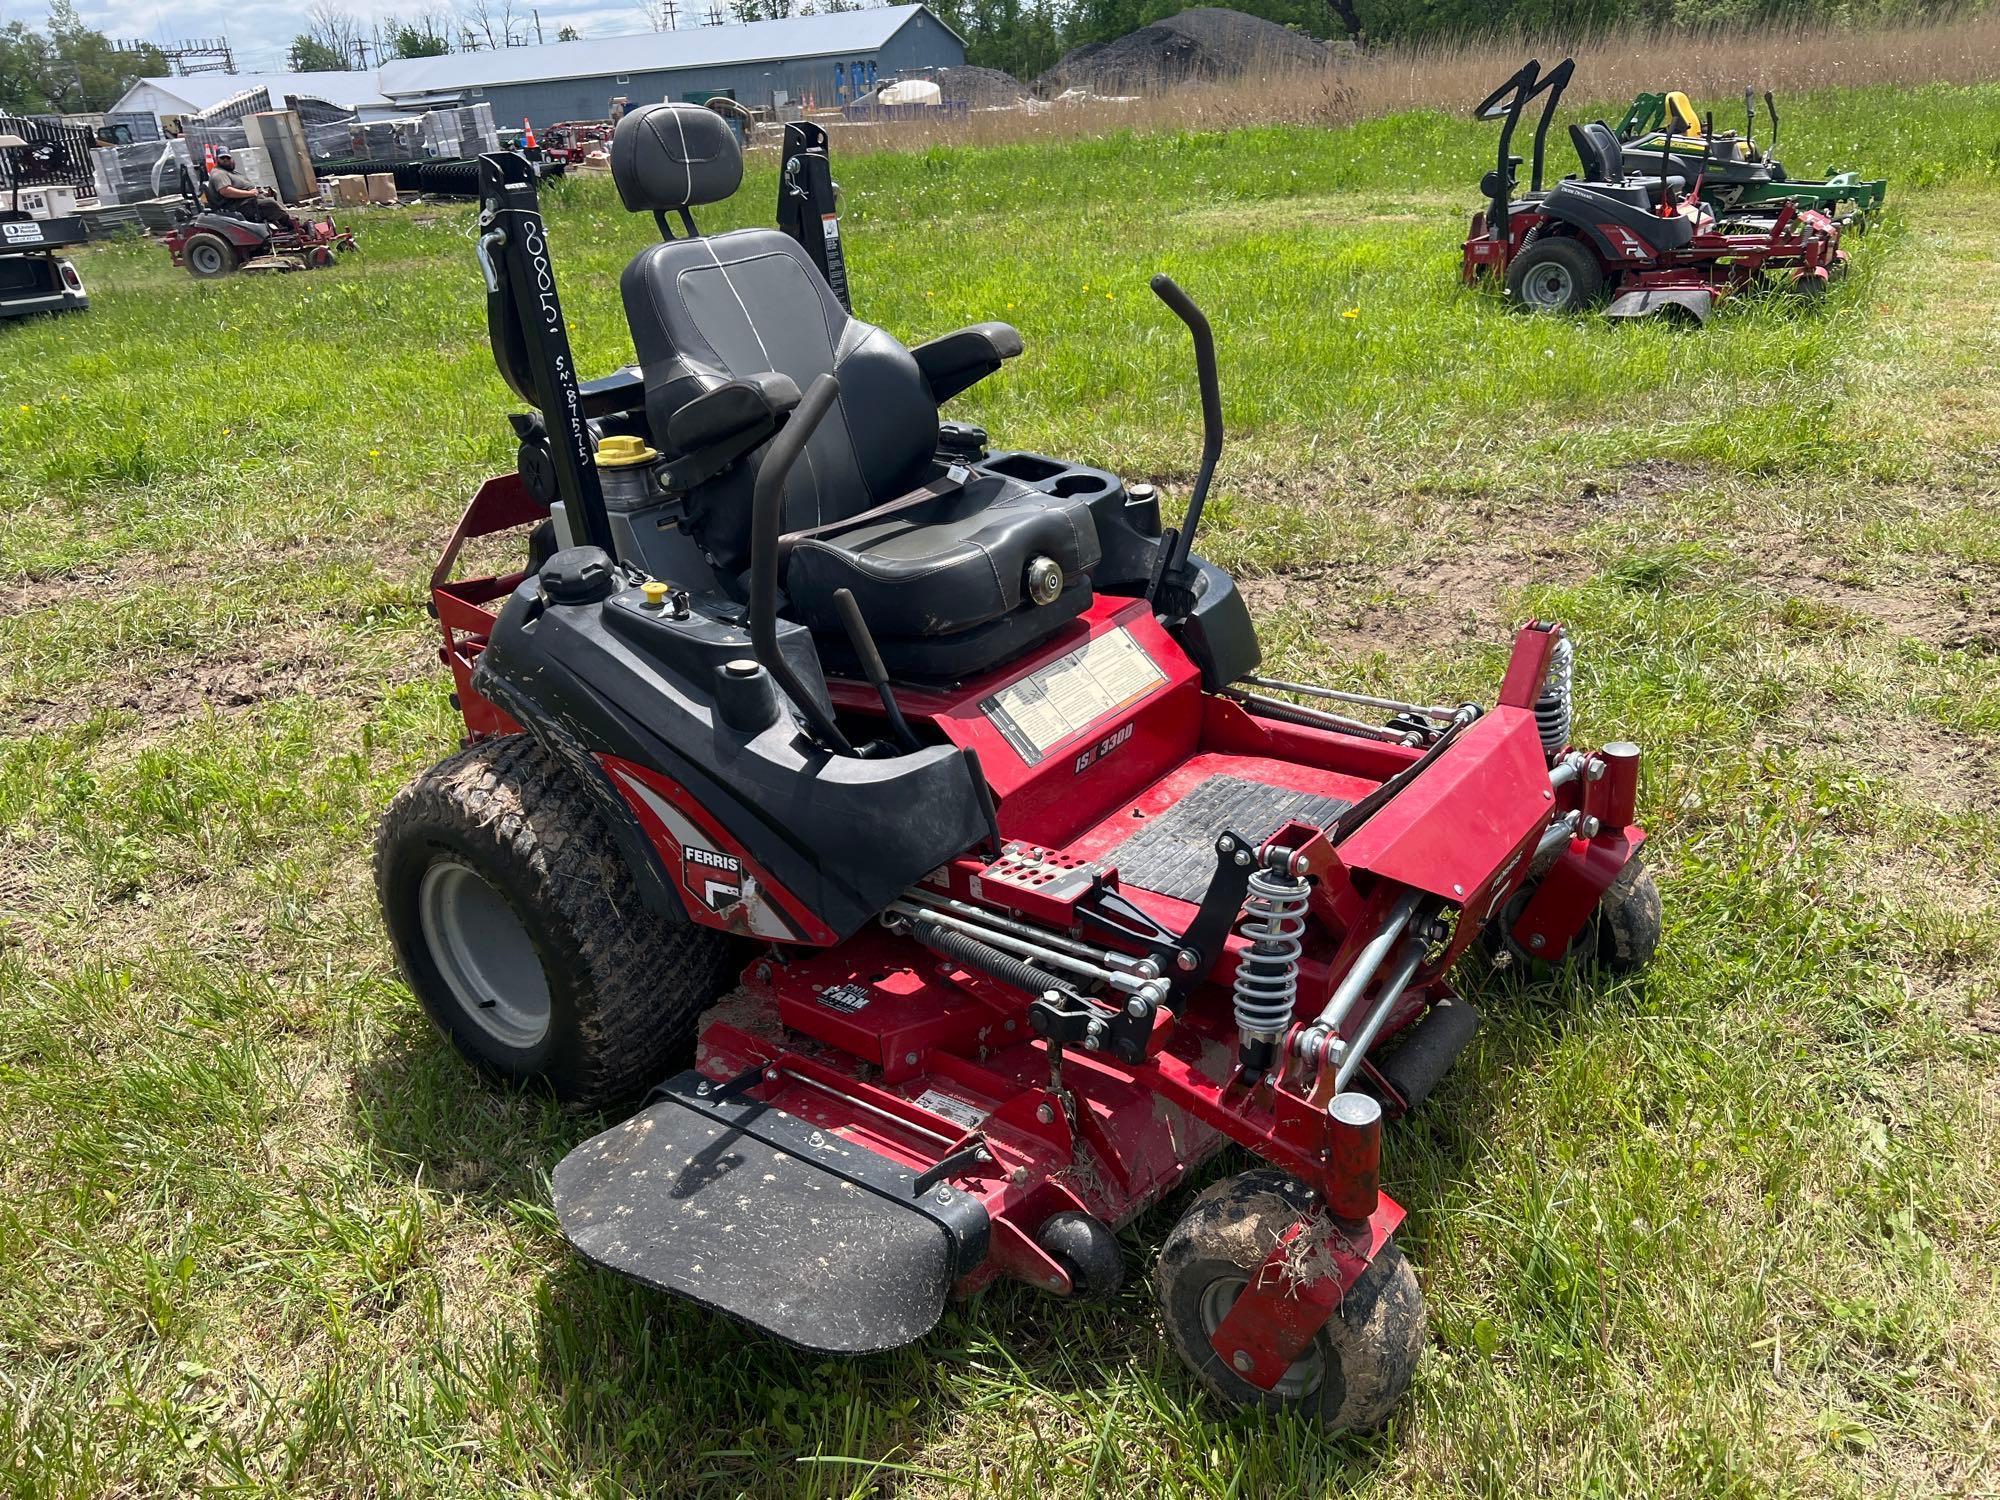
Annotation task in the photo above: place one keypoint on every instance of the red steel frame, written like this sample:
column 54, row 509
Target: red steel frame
column 915, row 1058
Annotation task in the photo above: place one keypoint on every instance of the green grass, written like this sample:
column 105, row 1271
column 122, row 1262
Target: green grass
column 1728, row 1229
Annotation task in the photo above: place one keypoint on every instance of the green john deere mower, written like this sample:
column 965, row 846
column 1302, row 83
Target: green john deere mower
column 1735, row 172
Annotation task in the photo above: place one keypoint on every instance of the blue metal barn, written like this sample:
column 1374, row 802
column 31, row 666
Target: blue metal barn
column 759, row 64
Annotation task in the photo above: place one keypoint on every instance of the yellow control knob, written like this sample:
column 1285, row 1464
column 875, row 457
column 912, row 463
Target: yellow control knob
column 622, row 451
column 654, row 590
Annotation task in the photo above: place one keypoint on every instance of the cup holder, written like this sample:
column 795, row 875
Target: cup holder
column 1072, row 485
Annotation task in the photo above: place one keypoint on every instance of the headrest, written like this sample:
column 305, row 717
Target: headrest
column 667, row 156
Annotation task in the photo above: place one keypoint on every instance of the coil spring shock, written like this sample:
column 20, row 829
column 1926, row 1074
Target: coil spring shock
column 1553, row 712
column 1267, row 976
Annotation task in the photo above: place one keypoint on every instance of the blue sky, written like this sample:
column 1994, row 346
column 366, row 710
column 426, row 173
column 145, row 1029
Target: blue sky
column 260, row 30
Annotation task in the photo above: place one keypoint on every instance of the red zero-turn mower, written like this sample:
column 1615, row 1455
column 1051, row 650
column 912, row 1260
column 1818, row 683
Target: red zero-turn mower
column 1640, row 245
column 925, row 797
column 212, row 241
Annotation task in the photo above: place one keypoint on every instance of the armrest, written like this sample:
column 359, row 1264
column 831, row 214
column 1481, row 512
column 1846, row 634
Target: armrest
column 954, row 362
column 717, row 416
column 721, row 425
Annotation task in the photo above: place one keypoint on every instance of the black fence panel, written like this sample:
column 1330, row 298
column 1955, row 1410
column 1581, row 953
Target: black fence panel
column 57, row 155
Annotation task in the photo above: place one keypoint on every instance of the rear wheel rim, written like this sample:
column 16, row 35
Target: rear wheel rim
column 1306, row 1372
column 1549, row 285
column 484, row 954
column 206, row 258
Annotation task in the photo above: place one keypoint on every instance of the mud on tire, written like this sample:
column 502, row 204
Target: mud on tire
column 516, row 924
column 1355, row 1372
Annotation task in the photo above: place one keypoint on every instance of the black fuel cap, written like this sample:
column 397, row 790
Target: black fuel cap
column 578, row 575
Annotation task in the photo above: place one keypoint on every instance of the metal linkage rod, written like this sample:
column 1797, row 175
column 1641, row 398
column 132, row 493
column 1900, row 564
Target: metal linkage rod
column 1318, row 717
column 1032, row 949
column 1320, row 1038
column 1394, row 705
column 1145, row 968
column 1353, row 1053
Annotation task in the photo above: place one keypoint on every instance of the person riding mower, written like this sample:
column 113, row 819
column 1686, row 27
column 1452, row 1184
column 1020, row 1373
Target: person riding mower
column 1738, row 175
column 907, row 820
column 1641, row 245
column 226, row 225
column 227, row 193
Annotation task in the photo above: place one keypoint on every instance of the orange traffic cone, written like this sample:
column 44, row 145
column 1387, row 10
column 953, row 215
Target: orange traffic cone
column 527, row 134
column 208, row 158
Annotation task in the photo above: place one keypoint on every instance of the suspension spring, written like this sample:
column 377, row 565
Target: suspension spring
column 1553, row 711
column 1267, row 976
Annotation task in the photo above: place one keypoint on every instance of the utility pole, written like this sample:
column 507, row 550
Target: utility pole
column 670, row 12
column 538, row 26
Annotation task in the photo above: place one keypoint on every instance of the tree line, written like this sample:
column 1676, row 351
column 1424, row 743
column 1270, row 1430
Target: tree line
column 1026, row 37
column 70, row 68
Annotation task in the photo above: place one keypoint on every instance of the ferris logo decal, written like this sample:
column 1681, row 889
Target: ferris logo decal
column 716, row 878
column 1624, row 241
column 1102, row 748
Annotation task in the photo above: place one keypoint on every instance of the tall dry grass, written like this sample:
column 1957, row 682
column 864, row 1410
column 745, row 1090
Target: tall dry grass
column 1612, row 66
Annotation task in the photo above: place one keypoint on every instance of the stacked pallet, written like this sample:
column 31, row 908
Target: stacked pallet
column 457, row 133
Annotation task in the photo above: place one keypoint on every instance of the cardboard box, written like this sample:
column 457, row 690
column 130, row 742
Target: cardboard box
column 344, row 192
column 381, row 187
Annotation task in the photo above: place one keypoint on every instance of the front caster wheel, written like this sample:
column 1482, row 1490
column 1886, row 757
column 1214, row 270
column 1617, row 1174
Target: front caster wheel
column 1355, row 1371
column 1620, row 935
column 1088, row 1250
column 518, row 927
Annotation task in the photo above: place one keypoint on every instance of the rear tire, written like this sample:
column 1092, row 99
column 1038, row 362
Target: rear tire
column 1557, row 275
column 518, row 927
column 1354, row 1373
column 208, row 257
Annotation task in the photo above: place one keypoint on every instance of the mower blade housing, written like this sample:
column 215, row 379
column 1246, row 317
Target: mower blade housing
column 1692, row 302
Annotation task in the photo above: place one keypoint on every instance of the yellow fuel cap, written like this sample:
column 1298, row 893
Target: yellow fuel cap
column 622, row 451
column 654, row 590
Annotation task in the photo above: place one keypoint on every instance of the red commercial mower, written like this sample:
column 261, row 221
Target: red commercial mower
column 910, row 817
column 1639, row 245
column 213, row 241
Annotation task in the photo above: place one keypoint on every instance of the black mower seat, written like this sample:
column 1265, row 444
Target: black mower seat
column 927, row 552
column 1603, row 161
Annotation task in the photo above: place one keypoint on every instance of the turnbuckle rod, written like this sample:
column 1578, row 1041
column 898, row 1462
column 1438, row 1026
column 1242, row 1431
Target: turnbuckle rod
column 1007, row 942
column 1352, row 1054
column 1311, row 690
column 1145, row 968
column 1319, row 1038
column 1317, row 717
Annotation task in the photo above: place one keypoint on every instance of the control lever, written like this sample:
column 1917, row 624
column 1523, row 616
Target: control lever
column 1182, row 306
column 767, row 521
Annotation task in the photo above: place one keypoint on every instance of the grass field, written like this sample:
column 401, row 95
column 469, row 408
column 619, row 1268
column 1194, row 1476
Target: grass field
column 1730, row 1229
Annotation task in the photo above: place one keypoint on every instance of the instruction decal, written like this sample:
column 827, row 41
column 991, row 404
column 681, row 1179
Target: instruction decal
column 1072, row 693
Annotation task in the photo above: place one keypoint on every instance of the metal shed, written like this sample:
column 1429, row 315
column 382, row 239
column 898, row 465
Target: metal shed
column 759, row 63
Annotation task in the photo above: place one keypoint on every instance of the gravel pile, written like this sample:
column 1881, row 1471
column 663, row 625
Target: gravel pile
column 1195, row 46
column 980, row 88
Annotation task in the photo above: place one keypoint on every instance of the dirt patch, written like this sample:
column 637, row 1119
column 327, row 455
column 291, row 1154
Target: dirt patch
column 301, row 662
column 1352, row 609
column 25, row 596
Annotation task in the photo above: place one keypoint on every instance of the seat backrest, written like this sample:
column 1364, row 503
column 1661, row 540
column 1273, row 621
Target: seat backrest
column 704, row 310
column 1598, row 150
